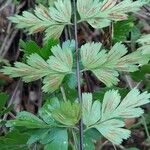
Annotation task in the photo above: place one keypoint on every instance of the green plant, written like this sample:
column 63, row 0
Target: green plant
column 56, row 126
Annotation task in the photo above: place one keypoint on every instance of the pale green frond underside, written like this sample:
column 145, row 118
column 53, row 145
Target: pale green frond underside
column 88, row 8
column 61, row 12
column 113, row 131
column 52, row 82
column 62, row 61
column 90, row 112
column 106, row 120
column 54, row 69
column 51, row 20
column 129, row 107
column 35, row 69
column 106, row 65
column 100, row 14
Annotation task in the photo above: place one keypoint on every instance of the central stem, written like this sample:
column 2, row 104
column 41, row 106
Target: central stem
column 78, row 74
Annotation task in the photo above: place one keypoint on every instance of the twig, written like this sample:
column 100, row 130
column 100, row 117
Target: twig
column 63, row 93
column 78, row 74
column 146, row 128
column 14, row 33
column 5, row 5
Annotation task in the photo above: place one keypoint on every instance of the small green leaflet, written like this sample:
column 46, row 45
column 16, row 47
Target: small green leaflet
column 53, row 70
column 46, row 111
column 59, row 140
column 140, row 75
column 90, row 112
column 14, row 140
column 52, row 139
column 121, row 29
column 90, row 138
column 31, row 47
column 67, row 114
column 38, row 135
column 52, row 20
column 113, row 131
column 3, row 99
column 106, row 117
column 100, row 14
column 106, row 65
column 27, row 120
column 127, row 108
column 35, row 69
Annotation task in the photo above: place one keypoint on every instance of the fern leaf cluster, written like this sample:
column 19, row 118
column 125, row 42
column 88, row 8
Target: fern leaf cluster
column 53, row 20
column 105, row 65
column 53, row 70
column 100, row 14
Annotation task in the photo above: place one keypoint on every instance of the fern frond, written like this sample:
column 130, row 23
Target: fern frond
column 61, row 12
column 53, row 70
column 52, row 82
column 90, row 112
column 113, row 131
column 100, row 14
column 36, row 22
column 35, row 69
column 108, row 119
column 107, row 65
column 62, row 61
column 113, row 107
column 51, row 20
column 88, row 9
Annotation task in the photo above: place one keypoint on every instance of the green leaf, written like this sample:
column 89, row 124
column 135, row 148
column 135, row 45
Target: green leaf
column 71, row 81
column 37, row 136
column 59, row 140
column 135, row 33
column 52, row 82
column 46, row 111
column 122, row 29
column 62, row 61
column 54, row 69
column 28, row 120
column 113, row 131
column 101, row 14
column 110, row 103
column 52, row 20
column 90, row 112
column 107, row 65
column 127, row 108
column 14, row 140
column 35, row 69
column 90, row 138
column 3, row 99
column 141, row 73
column 67, row 114
column 31, row 47
column 108, row 116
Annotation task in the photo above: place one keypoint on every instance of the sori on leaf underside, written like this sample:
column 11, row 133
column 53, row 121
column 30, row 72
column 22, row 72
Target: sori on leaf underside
column 52, row 20
column 106, row 117
column 106, row 65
